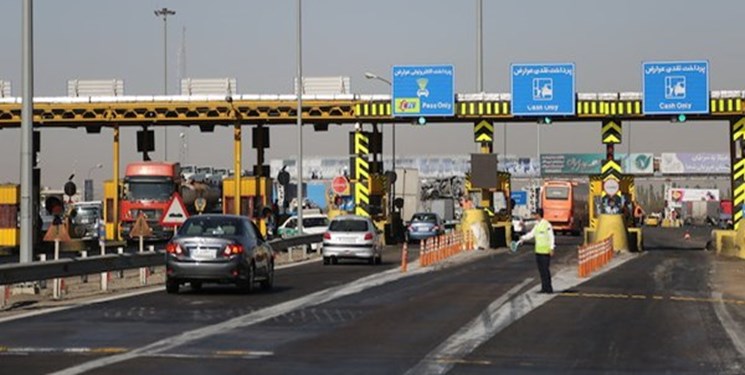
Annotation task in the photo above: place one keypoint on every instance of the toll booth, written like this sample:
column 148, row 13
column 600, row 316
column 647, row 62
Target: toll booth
column 10, row 199
column 500, row 217
column 596, row 202
column 256, row 193
column 628, row 192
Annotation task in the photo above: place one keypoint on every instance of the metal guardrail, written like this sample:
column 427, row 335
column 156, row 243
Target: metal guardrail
column 18, row 273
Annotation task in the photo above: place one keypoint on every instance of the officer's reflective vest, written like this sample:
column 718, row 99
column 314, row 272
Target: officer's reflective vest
column 542, row 237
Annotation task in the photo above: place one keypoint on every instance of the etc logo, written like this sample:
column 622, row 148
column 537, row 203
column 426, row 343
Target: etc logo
column 543, row 89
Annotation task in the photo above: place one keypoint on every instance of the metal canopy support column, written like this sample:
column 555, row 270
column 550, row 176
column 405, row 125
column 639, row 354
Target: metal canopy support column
column 361, row 172
column 737, row 162
column 237, row 151
column 611, row 168
column 115, row 179
column 483, row 133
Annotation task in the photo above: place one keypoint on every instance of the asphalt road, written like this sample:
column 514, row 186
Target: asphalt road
column 655, row 313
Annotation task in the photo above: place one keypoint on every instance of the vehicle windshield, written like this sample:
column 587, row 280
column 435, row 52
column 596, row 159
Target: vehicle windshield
column 87, row 212
column 158, row 190
column 204, row 170
column 187, row 169
column 424, row 218
column 348, row 226
column 312, row 222
column 557, row 192
column 211, row 227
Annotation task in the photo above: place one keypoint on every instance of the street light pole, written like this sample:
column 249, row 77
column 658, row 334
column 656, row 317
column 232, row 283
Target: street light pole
column 369, row 75
column 27, row 128
column 165, row 12
column 299, row 91
column 479, row 47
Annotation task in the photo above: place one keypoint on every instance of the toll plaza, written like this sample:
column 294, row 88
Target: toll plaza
column 421, row 95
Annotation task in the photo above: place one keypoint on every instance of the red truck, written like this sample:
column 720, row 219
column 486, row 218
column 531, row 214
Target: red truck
column 148, row 188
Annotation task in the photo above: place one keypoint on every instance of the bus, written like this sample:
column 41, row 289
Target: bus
column 564, row 205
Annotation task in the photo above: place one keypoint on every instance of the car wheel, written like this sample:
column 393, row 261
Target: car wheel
column 171, row 286
column 247, row 284
column 196, row 285
column 268, row 283
column 334, row 260
column 326, row 261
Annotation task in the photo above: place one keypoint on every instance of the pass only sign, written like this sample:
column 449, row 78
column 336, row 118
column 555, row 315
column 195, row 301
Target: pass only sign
column 175, row 214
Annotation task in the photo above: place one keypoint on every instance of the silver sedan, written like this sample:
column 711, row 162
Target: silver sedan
column 352, row 237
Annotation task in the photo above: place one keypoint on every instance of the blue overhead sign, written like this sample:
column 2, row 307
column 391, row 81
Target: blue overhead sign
column 675, row 87
column 543, row 89
column 423, row 91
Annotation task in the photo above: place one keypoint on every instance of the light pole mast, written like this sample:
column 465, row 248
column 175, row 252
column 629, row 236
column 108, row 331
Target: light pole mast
column 299, row 90
column 27, row 128
column 165, row 12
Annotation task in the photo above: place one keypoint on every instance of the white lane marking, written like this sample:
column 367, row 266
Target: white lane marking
column 496, row 317
column 467, row 338
column 734, row 331
column 258, row 316
column 138, row 292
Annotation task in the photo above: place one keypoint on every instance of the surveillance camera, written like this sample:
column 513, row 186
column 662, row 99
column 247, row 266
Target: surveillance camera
column 357, row 126
column 181, row 135
column 229, row 99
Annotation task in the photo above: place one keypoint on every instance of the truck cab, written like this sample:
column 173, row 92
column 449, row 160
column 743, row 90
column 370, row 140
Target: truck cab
column 148, row 188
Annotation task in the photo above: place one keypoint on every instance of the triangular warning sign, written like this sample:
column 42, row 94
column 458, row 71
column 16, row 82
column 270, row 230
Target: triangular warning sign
column 57, row 232
column 141, row 229
column 175, row 213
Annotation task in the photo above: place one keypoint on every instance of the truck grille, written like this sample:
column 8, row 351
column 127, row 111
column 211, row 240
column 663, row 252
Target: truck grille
column 150, row 214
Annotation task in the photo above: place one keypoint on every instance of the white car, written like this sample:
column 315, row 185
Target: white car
column 312, row 224
column 352, row 237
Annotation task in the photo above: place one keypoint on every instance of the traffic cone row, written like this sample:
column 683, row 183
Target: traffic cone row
column 437, row 249
column 594, row 256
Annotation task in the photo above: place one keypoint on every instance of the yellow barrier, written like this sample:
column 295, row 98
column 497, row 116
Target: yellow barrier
column 613, row 225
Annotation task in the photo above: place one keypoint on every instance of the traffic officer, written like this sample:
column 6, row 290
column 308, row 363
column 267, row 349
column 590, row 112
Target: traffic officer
column 544, row 248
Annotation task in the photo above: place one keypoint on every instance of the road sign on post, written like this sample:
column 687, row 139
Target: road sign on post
column 423, row 91
column 340, row 185
column 675, row 87
column 543, row 89
column 175, row 214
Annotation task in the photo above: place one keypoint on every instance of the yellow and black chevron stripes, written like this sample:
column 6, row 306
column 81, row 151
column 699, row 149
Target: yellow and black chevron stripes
column 611, row 167
column 738, row 170
column 738, row 129
column 361, row 199
column 361, row 143
column 381, row 109
column 596, row 190
column 619, row 108
column 361, row 169
column 737, row 202
column 611, row 132
column 483, row 132
column 728, row 105
column 483, row 108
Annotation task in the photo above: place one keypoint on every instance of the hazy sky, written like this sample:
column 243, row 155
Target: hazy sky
column 254, row 42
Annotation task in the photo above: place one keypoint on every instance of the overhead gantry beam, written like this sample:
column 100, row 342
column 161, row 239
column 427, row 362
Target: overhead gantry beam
column 329, row 109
